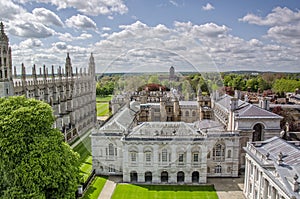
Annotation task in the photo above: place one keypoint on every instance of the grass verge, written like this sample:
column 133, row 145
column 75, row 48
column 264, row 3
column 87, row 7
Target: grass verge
column 95, row 188
column 85, row 160
column 129, row 191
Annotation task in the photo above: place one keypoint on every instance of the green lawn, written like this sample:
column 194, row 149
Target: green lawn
column 103, row 99
column 102, row 109
column 84, row 150
column 95, row 188
column 129, row 191
column 103, row 105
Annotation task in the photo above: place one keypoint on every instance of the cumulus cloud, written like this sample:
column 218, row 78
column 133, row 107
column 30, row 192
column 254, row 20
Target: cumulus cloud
column 81, row 22
column 47, row 17
column 29, row 43
column 207, row 7
column 91, row 7
column 60, row 45
column 278, row 16
column 9, row 10
column 187, row 46
column 33, row 29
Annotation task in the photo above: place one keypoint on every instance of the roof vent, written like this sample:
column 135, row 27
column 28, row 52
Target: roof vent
column 280, row 160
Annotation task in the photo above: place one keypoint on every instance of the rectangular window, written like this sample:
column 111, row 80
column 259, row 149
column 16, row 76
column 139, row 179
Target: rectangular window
column 196, row 157
column 180, row 158
column 164, row 156
column 133, row 156
column 148, row 157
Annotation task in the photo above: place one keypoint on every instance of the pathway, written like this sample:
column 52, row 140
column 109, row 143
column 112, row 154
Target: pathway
column 109, row 187
column 228, row 187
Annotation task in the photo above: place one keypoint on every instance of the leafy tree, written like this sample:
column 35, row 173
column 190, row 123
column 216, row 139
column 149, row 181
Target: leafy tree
column 35, row 161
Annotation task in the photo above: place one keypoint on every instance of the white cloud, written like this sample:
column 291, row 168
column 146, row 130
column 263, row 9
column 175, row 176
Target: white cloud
column 278, row 16
column 174, row 3
column 205, row 47
column 47, row 17
column 60, row 45
column 29, row 43
column 91, row 7
column 106, row 28
column 207, row 7
column 81, row 22
column 30, row 29
column 9, row 10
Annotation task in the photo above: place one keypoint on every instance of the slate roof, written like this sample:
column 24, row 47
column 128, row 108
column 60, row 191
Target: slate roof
column 163, row 129
column 266, row 154
column 247, row 110
column 188, row 103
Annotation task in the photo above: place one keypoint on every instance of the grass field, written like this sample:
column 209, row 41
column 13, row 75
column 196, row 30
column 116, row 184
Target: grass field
column 103, row 105
column 95, row 188
column 84, row 150
column 103, row 99
column 129, row 191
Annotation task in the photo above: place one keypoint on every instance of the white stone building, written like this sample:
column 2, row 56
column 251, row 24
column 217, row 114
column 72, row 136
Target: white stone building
column 272, row 169
column 154, row 137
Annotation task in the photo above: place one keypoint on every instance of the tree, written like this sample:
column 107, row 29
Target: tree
column 35, row 161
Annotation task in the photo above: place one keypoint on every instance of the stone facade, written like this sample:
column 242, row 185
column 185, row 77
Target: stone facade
column 71, row 94
column 272, row 169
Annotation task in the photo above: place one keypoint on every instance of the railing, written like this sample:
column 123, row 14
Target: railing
column 82, row 188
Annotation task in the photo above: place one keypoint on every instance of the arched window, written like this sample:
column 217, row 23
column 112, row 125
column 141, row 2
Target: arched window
column 219, row 152
column 218, row 169
column 187, row 113
column 257, row 134
column 194, row 113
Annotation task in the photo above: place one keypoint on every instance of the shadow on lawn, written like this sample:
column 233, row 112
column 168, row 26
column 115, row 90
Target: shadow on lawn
column 192, row 188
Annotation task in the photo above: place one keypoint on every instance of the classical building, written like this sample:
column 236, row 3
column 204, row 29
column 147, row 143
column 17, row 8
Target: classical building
column 272, row 169
column 155, row 137
column 71, row 94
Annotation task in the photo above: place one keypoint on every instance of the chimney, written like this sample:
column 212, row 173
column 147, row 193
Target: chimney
column 264, row 103
column 295, row 183
column 233, row 104
column 237, row 94
column 280, row 160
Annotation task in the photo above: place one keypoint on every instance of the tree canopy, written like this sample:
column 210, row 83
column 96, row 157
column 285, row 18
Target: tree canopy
column 35, row 161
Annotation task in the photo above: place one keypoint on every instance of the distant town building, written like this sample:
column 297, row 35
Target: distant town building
column 272, row 169
column 71, row 94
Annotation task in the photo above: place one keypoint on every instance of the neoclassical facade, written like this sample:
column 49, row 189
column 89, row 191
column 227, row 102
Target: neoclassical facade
column 156, row 138
column 163, row 152
column 272, row 169
column 71, row 93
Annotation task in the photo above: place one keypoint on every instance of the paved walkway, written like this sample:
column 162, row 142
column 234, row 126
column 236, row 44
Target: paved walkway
column 109, row 187
column 228, row 187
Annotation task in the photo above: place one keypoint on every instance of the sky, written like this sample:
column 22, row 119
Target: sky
column 152, row 35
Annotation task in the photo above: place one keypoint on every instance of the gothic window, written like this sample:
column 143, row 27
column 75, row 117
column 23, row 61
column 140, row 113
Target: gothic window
column 111, row 150
column 219, row 152
column 218, row 169
column 164, row 155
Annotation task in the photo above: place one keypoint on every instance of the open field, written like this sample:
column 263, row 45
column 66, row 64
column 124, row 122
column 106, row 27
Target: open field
column 95, row 188
column 84, row 150
column 129, row 191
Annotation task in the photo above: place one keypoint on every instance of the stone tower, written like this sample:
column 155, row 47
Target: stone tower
column 6, row 81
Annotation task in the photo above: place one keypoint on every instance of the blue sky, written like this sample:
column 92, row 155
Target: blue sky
column 152, row 35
